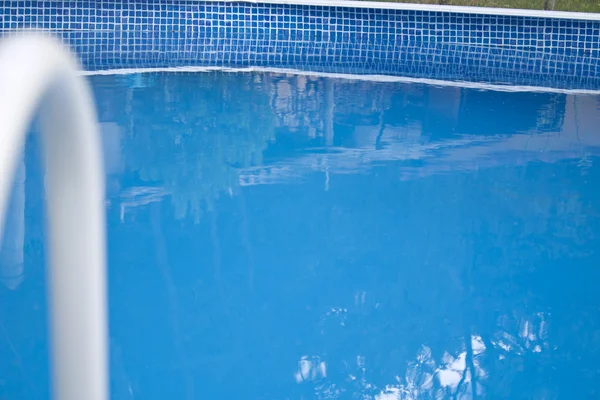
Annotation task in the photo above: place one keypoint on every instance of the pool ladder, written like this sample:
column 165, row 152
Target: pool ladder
column 36, row 72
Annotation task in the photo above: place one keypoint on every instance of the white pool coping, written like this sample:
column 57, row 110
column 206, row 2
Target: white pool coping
column 431, row 8
column 355, row 77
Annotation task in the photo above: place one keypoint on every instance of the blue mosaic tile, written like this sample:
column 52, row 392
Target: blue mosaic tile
column 109, row 34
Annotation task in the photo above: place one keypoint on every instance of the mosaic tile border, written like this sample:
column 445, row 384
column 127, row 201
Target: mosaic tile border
column 522, row 50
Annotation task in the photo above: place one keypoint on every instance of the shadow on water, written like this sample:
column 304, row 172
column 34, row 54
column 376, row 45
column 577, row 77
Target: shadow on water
column 278, row 236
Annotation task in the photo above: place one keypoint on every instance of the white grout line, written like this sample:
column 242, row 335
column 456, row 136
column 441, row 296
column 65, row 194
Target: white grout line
column 431, row 8
column 355, row 77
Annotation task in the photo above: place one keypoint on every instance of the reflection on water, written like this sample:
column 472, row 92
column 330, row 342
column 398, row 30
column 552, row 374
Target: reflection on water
column 275, row 236
column 11, row 248
column 196, row 132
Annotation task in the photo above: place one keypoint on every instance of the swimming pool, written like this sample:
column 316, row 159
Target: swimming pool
column 289, row 236
column 327, row 199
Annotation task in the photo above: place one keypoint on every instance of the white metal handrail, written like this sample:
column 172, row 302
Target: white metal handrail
column 38, row 73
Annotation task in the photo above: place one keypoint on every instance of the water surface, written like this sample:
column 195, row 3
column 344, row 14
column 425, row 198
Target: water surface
column 291, row 237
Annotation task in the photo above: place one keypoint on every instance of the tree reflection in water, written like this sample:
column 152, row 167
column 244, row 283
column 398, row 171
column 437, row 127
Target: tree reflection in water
column 194, row 137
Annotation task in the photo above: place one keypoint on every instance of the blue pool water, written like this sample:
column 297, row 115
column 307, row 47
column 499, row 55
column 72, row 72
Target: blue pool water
column 291, row 237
